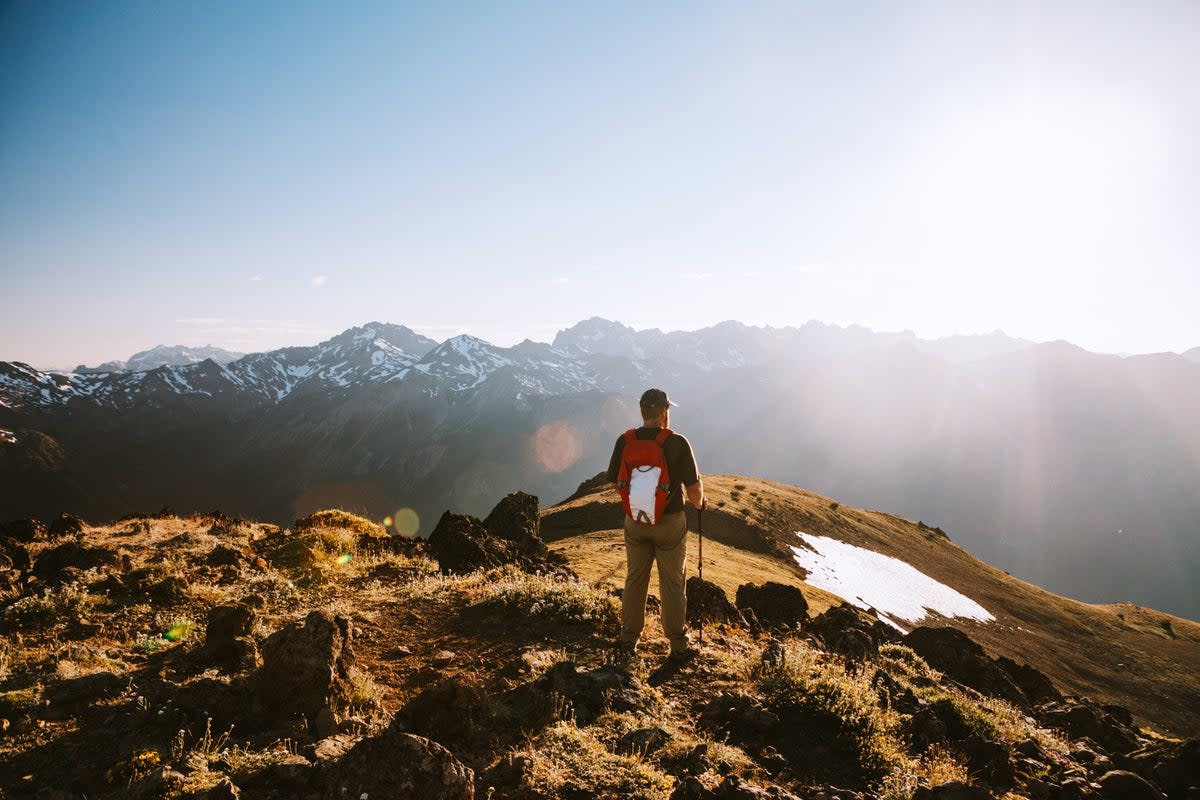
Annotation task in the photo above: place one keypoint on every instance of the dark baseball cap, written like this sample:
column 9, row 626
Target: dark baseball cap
column 655, row 398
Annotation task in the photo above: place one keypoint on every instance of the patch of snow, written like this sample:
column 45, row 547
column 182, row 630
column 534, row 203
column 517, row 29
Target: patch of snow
column 868, row 579
column 8, row 436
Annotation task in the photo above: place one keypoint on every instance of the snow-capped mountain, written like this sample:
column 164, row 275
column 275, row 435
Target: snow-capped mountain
column 379, row 418
column 164, row 356
column 1192, row 355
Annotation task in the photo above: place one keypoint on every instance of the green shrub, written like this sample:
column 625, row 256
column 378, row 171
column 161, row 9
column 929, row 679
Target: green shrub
column 836, row 707
column 566, row 600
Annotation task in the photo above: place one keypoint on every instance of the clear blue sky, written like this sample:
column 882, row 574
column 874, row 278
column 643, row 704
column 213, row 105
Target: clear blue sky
column 260, row 174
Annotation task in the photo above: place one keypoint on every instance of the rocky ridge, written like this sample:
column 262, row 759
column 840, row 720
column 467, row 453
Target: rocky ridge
column 209, row 656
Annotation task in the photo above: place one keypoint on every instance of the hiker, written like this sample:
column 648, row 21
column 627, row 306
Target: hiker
column 655, row 524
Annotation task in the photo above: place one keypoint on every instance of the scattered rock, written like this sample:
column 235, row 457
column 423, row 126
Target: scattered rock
column 443, row 658
column 774, row 604
column 742, row 716
column 52, row 565
column 223, row 555
column 444, row 710
column 85, row 689
column 956, row 790
column 332, row 748
column 1172, row 766
column 990, row 760
column 67, row 525
column 1036, row 687
column 707, row 602
column 732, row 788
column 850, row 631
column 643, row 741
column 399, row 764
column 1084, row 719
column 1121, row 785
column 228, row 641
column 303, row 664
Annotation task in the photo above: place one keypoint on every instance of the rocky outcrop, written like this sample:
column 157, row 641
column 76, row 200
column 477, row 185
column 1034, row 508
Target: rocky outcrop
column 509, row 535
column 850, row 631
column 399, row 764
column 707, row 602
column 305, row 664
column 774, row 604
column 955, row 654
column 1083, row 719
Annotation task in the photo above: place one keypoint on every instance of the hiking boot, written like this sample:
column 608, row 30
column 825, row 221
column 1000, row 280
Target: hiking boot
column 684, row 655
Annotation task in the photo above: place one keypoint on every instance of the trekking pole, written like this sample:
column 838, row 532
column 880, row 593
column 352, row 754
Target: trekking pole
column 700, row 560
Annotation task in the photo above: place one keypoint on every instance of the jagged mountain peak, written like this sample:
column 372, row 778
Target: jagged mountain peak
column 399, row 337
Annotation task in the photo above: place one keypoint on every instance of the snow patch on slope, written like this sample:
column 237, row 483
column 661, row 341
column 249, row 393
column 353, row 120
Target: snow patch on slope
column 868, row 579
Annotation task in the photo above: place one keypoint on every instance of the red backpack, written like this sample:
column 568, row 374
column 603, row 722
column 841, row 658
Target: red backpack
column 643, row 481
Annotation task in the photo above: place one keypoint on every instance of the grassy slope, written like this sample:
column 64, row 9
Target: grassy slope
column 1136, row 657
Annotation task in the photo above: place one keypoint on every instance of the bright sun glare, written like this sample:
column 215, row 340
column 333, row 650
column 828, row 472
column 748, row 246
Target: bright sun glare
column 1034, row 179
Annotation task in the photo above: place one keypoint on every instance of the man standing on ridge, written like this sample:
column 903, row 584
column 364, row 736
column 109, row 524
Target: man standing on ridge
column 661, row 535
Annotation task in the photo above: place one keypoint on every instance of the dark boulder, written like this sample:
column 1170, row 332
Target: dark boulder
column 67, row 525
column 741, row 716
column 1084, row 719
column 229, row 641
column 515, row 519
column 990, row 760
column 851, row 631
column 85, row 689
column 23, row 530
column 733, row 788
column 224, row 555
column 52, row 564
column 399, row 764
column 461, row 544
column 774, row 604
column 959, row 657
column 304, row 664
column 643, row 741
column 1121, row 785
column 955, row 790
column 443, row 711
column 1034, row 685
column 707, row 602
column 1172, row 766
column 509, row 535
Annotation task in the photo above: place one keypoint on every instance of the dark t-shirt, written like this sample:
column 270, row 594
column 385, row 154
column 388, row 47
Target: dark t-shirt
column 681, row 464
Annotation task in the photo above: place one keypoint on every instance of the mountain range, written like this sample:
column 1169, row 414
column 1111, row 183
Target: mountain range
column 162, row 355
column 1071, row 469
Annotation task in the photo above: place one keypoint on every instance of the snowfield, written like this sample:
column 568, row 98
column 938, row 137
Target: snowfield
column 864, row 578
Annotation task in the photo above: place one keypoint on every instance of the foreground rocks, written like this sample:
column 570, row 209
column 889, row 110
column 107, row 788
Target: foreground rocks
column 397, row 764
column 304, row 664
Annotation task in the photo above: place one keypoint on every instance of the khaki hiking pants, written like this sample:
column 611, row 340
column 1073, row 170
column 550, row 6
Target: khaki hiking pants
column 665, row 544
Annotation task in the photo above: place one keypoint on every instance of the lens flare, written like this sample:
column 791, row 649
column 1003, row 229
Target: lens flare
column 178, row 631
column 405, row 522
column 387, row 522
column 557, row 445
column 344, row 559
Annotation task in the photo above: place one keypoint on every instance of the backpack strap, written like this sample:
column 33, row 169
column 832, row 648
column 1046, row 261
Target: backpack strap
column 662, row 436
